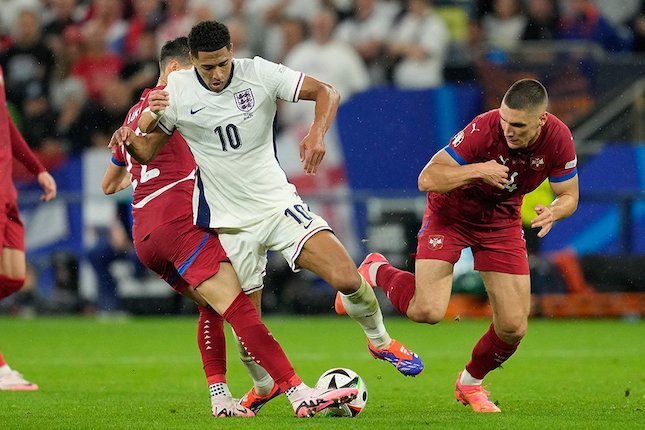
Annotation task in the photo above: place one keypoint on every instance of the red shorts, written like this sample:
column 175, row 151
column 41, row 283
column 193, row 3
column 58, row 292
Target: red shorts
column 181, row 253
column 494, row 249
column 12, row 232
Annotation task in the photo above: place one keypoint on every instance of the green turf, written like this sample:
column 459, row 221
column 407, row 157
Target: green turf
column 144, row 373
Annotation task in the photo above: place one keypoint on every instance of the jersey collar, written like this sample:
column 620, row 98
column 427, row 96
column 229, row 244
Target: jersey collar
column 203, row 84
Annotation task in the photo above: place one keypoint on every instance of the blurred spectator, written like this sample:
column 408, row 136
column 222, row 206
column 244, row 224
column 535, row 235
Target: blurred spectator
column 504, row 27
column 366, row 31
column 147, row 16
column 28, row 63
column 293, row 32
column 618, row 12
column 96, row 66
column 107, row 15
column 583, row 21
column 326, row 59
column 418, row 44
column 237, row 29
column 638, row 26
column 10, row 9
column 142, row 68
column 177, row 22
column 63, row 15
column 542, row 20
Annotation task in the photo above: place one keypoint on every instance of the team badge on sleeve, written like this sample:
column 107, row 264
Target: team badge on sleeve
column 435, row 242
column 244, row 100
column 459, row 137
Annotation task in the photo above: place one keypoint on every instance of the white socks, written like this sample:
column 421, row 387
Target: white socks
column 262, row 381
column 468, row 379
column 363, row 307
column 219, row 389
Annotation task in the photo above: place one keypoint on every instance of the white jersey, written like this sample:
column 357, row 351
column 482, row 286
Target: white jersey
column 231, row 136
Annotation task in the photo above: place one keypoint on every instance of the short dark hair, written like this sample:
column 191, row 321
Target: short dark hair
column 526, row 94
column 208, row 36
column 176, row 49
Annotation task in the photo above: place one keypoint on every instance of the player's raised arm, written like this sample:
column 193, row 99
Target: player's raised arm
column 327, row 98
column 564, row 204
column 142, row 148
column 443, row 174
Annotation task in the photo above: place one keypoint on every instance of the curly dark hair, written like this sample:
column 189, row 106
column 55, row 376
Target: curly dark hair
column 208, row 36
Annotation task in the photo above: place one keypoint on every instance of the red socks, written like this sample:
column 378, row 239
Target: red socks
column 8, row 286
column 398, row 285
column 259, row 343
column 212, row 344
column 489, row 353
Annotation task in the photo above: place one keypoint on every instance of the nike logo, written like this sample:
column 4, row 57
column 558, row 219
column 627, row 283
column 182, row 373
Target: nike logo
column 193, row 112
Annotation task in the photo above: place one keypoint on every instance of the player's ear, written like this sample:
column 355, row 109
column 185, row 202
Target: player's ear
column 543, row 118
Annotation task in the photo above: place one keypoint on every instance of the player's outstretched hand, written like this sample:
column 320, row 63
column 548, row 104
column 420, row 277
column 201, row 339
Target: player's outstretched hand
column 494, row 174
column 48, row 185
column 312, row 151
column 544, row 221
column 121, row 137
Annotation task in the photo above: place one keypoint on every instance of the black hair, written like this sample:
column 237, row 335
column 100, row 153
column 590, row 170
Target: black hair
column 526, row 94
column 208, row 36
column 176, row 49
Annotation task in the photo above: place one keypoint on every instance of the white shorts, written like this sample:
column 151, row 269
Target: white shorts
column 285, row 232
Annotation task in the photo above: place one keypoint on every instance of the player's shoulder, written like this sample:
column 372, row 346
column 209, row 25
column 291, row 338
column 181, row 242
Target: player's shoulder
column 181, row 76
column 557, row 130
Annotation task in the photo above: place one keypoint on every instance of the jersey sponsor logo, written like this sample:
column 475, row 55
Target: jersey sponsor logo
column 537, row 163
column 511, row 185
column 571, row 164
column 435, row 242
column 194, row 111
column 244, row 100
column 459, row 137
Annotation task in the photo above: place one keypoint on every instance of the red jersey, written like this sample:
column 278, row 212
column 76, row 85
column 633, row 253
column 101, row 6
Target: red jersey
column 552, row 155
column 162, row 189
column 12, row 145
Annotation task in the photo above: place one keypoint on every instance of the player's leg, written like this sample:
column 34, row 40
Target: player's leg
column 12, row 271
column 238, row 310
column 503, row 264
column 264, row 387
column 158, row 255
column 13, row 267
column 324, row 255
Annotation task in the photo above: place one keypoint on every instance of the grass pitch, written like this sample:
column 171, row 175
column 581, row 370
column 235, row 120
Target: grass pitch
column 145, row 373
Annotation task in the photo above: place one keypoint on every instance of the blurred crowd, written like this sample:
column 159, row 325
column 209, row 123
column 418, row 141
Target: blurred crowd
column 74, row 67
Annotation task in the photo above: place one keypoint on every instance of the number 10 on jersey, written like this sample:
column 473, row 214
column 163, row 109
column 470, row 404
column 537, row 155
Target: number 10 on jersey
column 229, row 137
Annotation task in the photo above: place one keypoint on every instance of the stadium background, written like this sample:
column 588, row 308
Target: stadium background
column 70, row 79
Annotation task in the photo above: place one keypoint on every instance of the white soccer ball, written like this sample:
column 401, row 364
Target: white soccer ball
column 344, row 378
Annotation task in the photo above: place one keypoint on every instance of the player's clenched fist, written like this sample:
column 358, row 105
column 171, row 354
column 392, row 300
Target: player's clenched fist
column 158, row 101
column 494, row 174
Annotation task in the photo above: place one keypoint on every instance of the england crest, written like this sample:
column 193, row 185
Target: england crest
column 244, row 100
column 435, row 242
column 537, row 163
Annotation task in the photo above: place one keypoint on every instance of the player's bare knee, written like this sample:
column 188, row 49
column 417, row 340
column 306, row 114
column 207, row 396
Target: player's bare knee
column 425, row 314
column 344, row 279
column 511, row 333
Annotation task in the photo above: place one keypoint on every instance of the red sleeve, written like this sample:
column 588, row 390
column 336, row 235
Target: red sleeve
column 22, row 152
column 566, row 161
column 465, row 146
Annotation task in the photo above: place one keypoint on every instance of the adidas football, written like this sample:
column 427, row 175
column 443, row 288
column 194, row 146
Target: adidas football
column 344, row 378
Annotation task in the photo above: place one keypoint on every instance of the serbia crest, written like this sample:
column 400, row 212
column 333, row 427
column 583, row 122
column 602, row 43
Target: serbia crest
column 435, row 242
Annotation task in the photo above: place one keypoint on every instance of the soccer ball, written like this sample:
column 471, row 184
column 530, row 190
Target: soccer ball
column 344, row 378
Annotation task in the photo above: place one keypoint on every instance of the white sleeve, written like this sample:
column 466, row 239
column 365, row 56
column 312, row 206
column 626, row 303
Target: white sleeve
column 168, row 120
column 280, row 81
